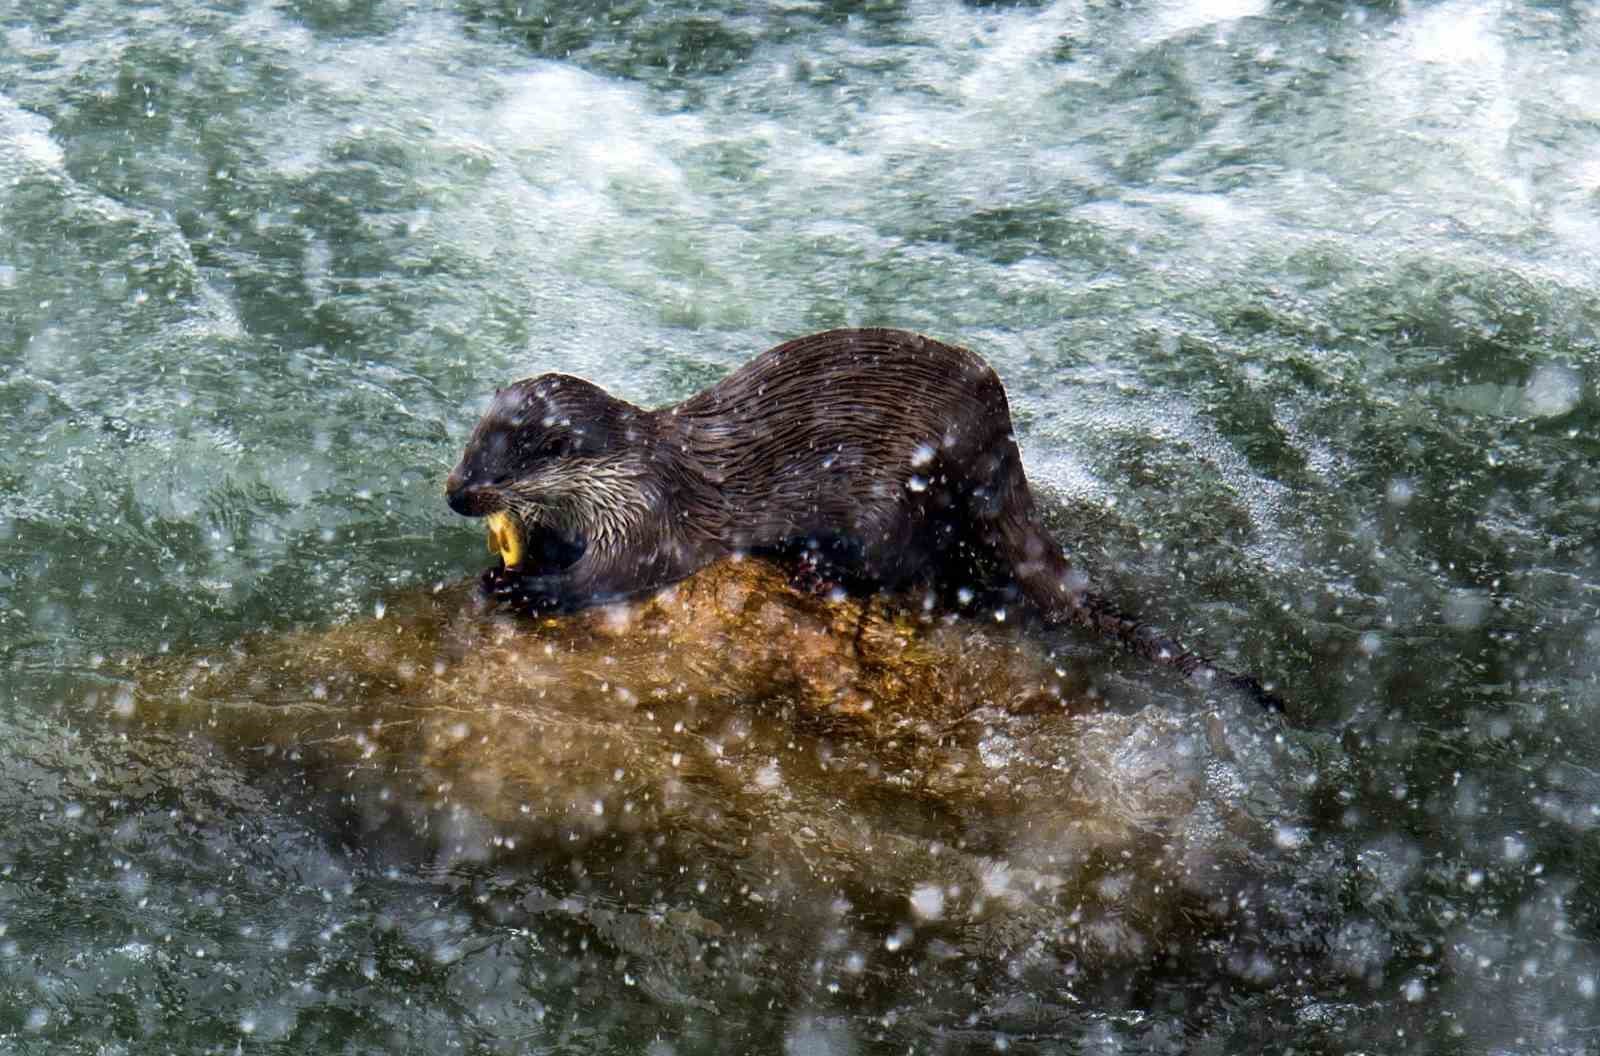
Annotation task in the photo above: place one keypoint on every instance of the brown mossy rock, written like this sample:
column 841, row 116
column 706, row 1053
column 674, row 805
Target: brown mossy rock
column 734, row 748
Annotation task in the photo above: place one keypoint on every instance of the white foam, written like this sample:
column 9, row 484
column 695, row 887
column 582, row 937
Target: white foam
column 1552, row 390
column 1173, row 19
column 26, row 138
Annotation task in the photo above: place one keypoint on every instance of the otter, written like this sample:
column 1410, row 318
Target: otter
column 881, row 457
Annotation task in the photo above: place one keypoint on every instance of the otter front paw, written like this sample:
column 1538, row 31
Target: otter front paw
column 534, row 594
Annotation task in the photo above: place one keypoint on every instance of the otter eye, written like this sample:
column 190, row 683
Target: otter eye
column 557, row 447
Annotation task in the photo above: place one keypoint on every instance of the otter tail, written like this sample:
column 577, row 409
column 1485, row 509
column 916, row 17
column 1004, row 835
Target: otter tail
column 1045, row 576
column 1098, row 614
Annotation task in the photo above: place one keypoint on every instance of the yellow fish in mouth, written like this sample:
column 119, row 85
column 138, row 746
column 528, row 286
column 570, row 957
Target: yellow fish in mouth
column 505, row 537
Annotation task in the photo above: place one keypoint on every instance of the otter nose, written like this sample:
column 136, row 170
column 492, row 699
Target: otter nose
column 467, row 499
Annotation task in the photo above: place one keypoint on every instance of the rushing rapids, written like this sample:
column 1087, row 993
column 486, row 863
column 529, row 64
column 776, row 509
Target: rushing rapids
column 1295, row 306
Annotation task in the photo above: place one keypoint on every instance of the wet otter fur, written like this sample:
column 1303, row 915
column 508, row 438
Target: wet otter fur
column 883, row 456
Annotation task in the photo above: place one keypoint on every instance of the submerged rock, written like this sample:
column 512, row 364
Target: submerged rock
column 734, row 761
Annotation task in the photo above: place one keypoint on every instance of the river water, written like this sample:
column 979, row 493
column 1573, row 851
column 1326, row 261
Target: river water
column 1297, row 307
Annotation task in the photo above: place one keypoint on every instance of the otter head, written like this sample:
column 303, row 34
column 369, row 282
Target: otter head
column 549, row 465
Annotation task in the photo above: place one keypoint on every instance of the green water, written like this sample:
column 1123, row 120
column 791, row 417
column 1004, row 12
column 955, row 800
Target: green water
column 1297, row 306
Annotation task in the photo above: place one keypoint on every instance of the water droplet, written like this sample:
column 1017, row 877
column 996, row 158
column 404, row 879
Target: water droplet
column 1464, row 609
column 898, row 938
column 1552, row 391
column 927, row 901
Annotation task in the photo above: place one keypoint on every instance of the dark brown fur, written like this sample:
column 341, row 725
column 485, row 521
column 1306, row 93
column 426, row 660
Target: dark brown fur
column 886, row 455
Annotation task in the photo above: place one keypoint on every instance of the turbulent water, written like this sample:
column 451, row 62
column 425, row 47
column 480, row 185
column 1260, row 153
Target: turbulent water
column 1297, row 307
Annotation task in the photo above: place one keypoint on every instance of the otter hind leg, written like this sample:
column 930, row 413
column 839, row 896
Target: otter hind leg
column 1001, row 507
